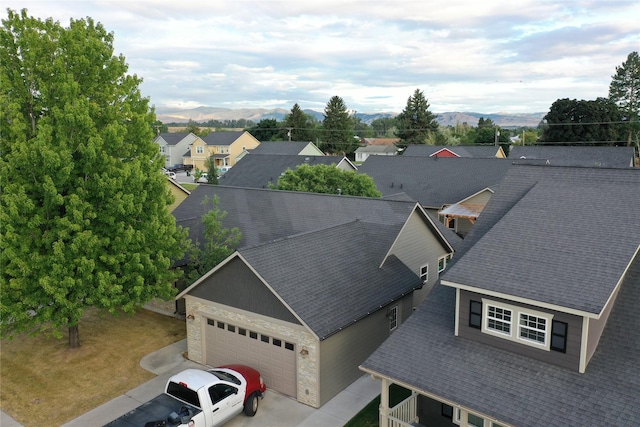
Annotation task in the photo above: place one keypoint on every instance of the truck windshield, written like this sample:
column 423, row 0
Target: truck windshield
column 183, row 393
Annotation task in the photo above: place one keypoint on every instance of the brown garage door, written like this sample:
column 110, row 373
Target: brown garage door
column 274, row 357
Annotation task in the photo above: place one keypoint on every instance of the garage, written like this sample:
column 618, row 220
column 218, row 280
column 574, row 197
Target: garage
column 274, row 357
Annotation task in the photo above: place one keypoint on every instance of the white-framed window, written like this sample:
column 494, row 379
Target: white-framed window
column 393, row 318
column 518, row 324
column 498, row 319
column 442, row 264
column 163, row 149
column 424, row 273
column 199, row 149
column 472, row 419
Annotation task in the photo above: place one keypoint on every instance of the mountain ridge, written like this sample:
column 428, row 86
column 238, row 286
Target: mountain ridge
column 449, row 118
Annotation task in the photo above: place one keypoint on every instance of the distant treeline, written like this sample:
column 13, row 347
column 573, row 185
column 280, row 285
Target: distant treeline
column 239, row 123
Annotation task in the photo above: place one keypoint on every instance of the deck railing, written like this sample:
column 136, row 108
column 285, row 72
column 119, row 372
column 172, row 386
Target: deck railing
column 404, row 414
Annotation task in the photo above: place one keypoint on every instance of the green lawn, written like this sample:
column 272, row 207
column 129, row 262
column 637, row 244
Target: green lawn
column 368, row 416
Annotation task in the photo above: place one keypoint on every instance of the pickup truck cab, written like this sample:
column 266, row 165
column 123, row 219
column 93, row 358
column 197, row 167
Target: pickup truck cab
column 200, row 398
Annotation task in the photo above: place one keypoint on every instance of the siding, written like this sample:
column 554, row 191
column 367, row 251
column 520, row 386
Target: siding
column 570, row 359
column 237, row 286
column 342, row 353
column 430, row 413
column 416, row 246
column 596, row 326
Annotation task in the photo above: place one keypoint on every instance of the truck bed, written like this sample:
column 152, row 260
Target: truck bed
column 157, row 409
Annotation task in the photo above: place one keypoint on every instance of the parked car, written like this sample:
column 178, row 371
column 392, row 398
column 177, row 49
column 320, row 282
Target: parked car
column 204, row 177
column 171, row 175
column 201, row 398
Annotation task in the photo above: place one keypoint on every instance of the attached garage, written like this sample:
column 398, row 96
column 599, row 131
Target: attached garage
column 274, row 357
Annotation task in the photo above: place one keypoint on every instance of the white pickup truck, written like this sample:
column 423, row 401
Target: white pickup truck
column 198, row 398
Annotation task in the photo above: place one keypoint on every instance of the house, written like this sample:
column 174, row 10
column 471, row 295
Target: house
column 300, row 148
column 440, row 182
column 379, row 141
column 179, row 193
column 261, row 170
column 465, row 151
column 225, row 147
column 375, row 150
column 572, row 155
column 535, row 323
column 174, row 147
column 317, row 283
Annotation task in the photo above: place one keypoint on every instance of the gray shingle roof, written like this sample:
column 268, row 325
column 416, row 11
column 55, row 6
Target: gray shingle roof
column 222, row 138
column 266, row 215
column 434, row 182
column 588, row 156
column 336, row 279
column 424, row 353
column 173, row 138
column 562, row 236
column 280, row 147
column 469, row 151
column 259, row 170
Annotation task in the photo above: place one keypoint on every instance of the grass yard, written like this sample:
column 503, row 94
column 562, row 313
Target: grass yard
column 368, row 416
column 44, row 383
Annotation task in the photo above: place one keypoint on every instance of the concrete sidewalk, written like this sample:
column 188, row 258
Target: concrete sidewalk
column 276, row 410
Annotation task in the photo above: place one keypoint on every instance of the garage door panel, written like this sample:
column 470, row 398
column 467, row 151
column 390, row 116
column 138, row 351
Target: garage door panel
column 272, row 356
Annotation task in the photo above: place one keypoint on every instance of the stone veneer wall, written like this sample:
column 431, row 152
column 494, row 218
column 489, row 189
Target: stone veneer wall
column 308, row 391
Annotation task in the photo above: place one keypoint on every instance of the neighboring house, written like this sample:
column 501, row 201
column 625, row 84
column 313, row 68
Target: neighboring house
column 375, row 150
column 439, row 182
column 587, row 156
column 380, row 141
column 179, row 193
column 536, row 321
column 225, row 147
column 260, row 170
column 300, row 148
column 318, row 282
column 174, row 147
column 466, row 151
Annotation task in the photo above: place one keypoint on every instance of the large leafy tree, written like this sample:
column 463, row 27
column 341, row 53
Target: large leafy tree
column 489, row 133
column 84, row 218
column 300, row 126
column 416, row 123
column 267, row 130
column 624, row 90
column 596, row 122
column 337, row 135
column 327, row 179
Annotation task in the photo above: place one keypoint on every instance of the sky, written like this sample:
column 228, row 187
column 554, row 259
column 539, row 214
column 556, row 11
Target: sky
column 489, row 56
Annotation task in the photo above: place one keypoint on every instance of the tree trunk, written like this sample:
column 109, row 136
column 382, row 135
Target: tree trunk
column 74, row 337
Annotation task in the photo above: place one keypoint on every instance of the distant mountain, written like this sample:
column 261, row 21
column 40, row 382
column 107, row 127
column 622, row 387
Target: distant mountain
column 203, row 114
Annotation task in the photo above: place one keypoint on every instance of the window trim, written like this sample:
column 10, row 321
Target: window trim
column 393, row 318
column 565, row 336
column 472, row 313
column 516, row 311
column 199, row 149
column 424, row 276
column 442, row 259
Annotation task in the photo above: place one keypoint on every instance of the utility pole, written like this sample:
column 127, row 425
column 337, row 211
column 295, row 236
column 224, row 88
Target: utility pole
column 289, row 133
column 497, row 135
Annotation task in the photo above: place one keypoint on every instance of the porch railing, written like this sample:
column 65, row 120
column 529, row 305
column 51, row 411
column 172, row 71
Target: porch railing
column 405, row 413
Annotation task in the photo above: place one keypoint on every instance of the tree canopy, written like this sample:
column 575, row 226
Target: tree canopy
column 300, row 126
column 267, row 130
column 596, row 122
column 415, row 123
column 624, row 90
column 84, row 218
column 327, row 179
column 337, row 135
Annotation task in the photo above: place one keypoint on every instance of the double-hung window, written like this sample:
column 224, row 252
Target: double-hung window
column 518, row 324
column 499, row 319
column 199, row 149
column 393, row 318
column 533, row 328
column 424, row 273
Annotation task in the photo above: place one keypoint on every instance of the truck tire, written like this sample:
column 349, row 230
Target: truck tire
column 251, row 405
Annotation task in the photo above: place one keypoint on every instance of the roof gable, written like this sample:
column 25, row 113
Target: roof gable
column 286, row 147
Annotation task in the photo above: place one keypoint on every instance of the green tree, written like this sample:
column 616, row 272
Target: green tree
column 624, row 90
column 299, row 125
column 219, row 243
column 212, row 170
column 337, row 135
column 416, row 122
column 384, row 127
column 488, row 133
column 327, row 179
column 84, row 218
column 596, row 122
column 159, row 127
column 267, row 130
column 361, row 129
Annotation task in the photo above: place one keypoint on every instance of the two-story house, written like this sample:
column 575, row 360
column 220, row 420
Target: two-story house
column 316, row 284
column 175, row 147
column 536, row 322
column 225, row 147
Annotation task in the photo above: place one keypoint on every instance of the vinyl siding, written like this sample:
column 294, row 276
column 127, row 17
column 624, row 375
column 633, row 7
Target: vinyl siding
column 596, row 326
column 570, row 359
column 342, row 353
column 416, row 246
column 237, row 286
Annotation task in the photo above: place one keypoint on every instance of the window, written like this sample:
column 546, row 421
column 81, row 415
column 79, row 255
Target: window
column 559, row 336
column 499, row 319
column 442, row 264
column 446, row 411
column 199, row 149
column 475, row 314
column 475, row 420
column 264, row 338
column 424, row 273
column 231, row 328
column 393, row 318
column 221, row 325
column 277, row 342
column 532, row 328
column 242, row 331
column 288, row 346
column 163, row 149
column 253, row 335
